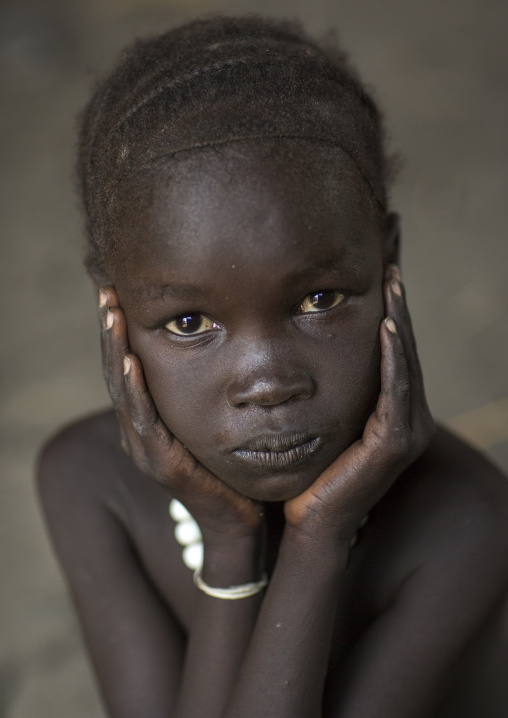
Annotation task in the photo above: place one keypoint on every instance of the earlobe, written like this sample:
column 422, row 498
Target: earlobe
column 392, row 239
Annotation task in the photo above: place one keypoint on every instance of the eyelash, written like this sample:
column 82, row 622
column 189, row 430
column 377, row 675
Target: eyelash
column 306, row 306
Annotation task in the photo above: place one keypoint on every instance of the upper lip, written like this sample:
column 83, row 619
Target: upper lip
column 275, row 442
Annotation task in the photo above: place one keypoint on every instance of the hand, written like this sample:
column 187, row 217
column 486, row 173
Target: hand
column 219, row 510
column 394, row 437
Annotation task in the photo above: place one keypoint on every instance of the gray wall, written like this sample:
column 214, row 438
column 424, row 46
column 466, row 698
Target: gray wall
column 440, row 70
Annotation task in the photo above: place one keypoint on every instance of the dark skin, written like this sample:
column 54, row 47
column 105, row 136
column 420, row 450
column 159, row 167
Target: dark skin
column 249, row 311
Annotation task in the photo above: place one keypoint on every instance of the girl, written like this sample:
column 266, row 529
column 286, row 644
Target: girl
column 260, row 359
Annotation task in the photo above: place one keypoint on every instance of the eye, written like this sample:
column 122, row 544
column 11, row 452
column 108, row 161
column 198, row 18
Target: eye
column 319, row 301
column 191, row 324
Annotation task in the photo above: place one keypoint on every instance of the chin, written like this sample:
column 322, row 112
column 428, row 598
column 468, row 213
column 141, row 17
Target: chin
column 274, row 486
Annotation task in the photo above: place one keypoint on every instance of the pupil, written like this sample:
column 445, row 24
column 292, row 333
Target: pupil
column 323, row 300
column 189, row 324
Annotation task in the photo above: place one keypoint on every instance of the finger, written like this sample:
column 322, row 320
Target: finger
column 395, row 301
column 107, row 300
column 108, row 297
column 165, row 454
column 115, row 346
column 396, row 306
column 389, row 427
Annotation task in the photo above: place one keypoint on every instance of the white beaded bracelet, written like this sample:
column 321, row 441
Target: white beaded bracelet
column 233, row 592
column 187, row 534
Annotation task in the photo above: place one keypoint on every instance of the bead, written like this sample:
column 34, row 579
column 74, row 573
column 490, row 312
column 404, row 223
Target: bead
column 193, row 556
column 187, row 532
column 178, row 512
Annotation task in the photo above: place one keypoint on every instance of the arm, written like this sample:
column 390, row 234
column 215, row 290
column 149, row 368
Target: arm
column 134, row 641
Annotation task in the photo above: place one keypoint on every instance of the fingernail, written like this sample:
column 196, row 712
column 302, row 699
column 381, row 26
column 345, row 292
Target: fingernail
column 110, row 318
column 103, row 298
column 126, row 365
column 396, row 287
column 390, row 325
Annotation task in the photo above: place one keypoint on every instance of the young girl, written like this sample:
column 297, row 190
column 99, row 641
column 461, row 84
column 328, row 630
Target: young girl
column 260, row 358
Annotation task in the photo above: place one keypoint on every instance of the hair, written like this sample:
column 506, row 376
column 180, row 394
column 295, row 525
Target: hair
column 214, row 81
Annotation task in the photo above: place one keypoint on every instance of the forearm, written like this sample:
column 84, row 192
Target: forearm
column 283, row 673
column 221, row 631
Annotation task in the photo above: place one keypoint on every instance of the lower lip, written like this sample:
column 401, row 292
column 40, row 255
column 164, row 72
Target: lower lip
column 279, row 459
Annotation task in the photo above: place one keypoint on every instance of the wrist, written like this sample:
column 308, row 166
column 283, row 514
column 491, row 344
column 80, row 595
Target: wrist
column 233, row 561
column 322, row 546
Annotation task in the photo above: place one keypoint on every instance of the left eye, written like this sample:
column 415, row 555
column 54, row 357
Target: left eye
column 191, row 324
column 319, row 301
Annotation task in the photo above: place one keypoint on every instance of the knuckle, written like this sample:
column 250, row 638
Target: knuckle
column 140, row 426
column 392, row 442
column 115, row 394
column 402, row 390
column 378, row 438
column 400, row 440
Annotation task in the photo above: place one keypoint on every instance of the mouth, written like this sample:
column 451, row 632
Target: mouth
column 278, row 451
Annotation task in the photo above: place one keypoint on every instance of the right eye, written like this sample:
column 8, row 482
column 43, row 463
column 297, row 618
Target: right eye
column 191, row 324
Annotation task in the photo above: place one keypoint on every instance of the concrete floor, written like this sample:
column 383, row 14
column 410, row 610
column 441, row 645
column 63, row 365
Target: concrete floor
column 441, row 72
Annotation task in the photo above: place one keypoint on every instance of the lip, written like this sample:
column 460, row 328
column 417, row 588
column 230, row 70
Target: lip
column 278, row 451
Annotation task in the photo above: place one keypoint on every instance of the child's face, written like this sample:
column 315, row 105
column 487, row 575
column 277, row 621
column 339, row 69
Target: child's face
column 252, row 290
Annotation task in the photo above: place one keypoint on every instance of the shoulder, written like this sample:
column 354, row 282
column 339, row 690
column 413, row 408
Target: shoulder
column 459, row 485
column 454, row 484
column 446, row 521
column 82, row 465
column 87, row 437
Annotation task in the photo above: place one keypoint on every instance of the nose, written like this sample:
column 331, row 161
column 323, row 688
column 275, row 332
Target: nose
column 268, row 381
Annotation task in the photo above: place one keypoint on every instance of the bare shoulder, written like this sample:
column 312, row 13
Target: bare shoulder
column 83, row 462
column 456, row 485
column 101, row 510
column 81, row 443
column 445, row 521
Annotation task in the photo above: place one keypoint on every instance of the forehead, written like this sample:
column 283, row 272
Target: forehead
column 266, row 199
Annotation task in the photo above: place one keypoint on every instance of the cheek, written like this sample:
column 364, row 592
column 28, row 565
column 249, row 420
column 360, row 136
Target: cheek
column 349, row 374
column 181, row 390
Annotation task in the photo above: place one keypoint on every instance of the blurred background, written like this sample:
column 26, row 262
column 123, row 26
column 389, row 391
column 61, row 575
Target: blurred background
column 439, row 69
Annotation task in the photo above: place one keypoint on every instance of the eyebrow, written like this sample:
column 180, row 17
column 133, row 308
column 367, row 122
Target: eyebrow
column 337, row 263
column 156, row 292
column 153, row 291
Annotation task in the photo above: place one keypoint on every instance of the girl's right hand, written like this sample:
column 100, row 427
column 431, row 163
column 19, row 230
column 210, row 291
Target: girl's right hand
column 222, row 513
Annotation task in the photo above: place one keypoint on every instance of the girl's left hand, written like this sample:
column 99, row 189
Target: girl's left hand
column 395, row 435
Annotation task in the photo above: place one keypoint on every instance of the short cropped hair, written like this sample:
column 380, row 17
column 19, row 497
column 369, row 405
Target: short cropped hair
column 214, row 81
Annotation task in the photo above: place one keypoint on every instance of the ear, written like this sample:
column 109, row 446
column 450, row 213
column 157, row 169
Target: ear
column 391, row 249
